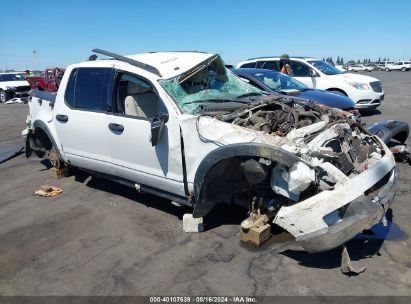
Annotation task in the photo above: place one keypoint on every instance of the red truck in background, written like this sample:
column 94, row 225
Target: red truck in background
column 50, row 82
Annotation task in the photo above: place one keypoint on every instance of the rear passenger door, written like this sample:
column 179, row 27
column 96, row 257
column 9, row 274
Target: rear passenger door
column 81, row 118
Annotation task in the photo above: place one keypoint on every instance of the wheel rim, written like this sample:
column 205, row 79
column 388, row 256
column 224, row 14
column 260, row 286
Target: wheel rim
column 2, row 96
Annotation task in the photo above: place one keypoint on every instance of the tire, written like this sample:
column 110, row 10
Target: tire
column 4, row 96
column 337, row 92
column 55, row 160
column 404, row 69
column 387, row 69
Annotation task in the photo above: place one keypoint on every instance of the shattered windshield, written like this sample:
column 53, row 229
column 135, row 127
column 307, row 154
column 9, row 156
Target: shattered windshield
column 208, row 82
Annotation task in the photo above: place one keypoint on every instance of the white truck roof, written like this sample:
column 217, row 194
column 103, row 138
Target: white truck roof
column 169, row 64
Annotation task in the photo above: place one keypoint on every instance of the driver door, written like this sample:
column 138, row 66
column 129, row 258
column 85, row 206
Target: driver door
column 135, row 104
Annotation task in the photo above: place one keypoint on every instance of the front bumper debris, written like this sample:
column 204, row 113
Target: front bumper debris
column 332, row 217
column 362, row 213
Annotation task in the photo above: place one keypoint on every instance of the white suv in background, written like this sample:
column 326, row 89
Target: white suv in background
column 367, row 92
column 360, row 67
column 398, row 66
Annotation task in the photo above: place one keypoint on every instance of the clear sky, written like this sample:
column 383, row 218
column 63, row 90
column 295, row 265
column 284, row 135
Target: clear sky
column 64, row 32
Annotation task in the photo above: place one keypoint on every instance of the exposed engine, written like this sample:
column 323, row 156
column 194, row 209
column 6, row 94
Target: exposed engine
column 273, row 115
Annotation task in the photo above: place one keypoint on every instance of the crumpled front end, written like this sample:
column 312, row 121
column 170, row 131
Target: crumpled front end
column 332, row 217
column 342, row 183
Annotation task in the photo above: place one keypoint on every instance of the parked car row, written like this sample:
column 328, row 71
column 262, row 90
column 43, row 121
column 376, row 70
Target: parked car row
column 366, row 92
column 382, row 66
column 398, row 66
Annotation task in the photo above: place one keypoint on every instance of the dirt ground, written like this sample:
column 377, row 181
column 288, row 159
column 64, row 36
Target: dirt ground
column 101, row 238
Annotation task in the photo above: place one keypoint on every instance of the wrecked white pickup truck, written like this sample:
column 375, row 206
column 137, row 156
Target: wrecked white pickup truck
column 181, row 126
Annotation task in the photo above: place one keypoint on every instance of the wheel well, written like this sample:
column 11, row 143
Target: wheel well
column 233, row 180
column 235, row 169
column 43, row 138
column 336, row 89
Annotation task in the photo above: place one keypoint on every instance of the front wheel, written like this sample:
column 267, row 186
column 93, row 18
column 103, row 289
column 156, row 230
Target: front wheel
column 387, row 69
column 4, row 96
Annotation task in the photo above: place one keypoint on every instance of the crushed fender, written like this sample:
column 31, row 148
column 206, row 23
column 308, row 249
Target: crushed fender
column 48, row 191
column 349, row 267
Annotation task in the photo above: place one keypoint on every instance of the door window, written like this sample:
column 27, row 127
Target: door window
column 89, row 89
column 248, row 65
column 136, row 97
column 299, row 69
column 270, row 65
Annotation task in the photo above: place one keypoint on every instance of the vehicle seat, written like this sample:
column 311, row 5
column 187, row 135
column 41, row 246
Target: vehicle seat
column 141, row 101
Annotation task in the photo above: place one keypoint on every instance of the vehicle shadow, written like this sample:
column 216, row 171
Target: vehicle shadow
column 148, row 200
column 365, row 245
column 221, row 214
column 224, row 214
column 370, row 112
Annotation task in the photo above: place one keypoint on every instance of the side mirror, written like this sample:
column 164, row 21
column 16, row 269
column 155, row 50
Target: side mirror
column 313, row 73
column 157, row 124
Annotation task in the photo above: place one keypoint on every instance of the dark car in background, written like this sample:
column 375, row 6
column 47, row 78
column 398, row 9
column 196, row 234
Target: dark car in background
column 276, row 82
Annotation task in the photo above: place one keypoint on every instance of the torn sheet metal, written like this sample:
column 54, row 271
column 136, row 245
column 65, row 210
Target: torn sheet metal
column 9, row 153
column 401, row 153
column 313, row 209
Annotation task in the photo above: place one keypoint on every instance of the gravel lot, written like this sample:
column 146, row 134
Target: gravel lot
column 100, row 238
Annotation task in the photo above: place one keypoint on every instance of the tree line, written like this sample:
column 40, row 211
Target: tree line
column 340, row 60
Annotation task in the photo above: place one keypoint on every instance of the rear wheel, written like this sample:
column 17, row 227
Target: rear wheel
column 4, row 96
column 403, row 69
column 55, row 160
column 387, row 69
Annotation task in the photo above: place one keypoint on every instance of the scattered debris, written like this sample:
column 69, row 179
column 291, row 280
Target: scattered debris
column 6, row 154
column 48, row 191
column 401, row 153
column 191, row 224
column 349, row 267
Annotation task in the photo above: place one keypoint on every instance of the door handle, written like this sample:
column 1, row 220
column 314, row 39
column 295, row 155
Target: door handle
column 116, row 127
column 62, row 118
